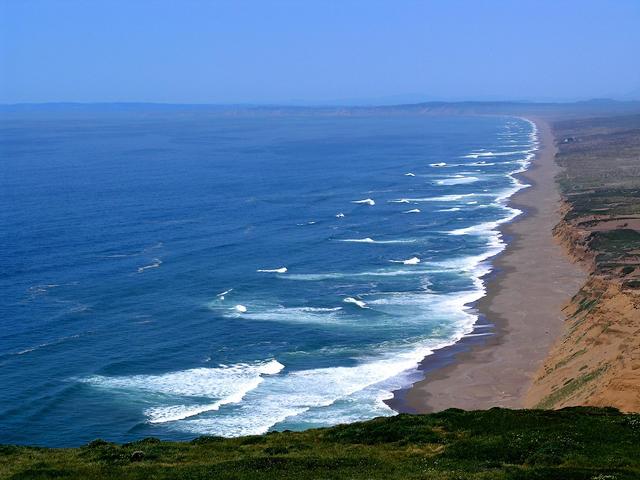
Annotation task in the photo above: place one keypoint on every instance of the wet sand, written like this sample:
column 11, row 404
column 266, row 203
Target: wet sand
column 533, row 278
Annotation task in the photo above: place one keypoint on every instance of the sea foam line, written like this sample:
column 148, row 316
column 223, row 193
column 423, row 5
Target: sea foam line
column 298, row 394
column 225, row 385
column 371, row 240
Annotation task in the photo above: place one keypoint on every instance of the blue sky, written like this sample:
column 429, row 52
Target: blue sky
column 317, row 51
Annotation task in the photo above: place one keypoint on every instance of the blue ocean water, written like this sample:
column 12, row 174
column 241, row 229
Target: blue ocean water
column 173, row 276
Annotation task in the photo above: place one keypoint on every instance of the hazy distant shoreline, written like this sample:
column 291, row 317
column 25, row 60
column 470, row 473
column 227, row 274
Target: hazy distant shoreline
column 595, row 107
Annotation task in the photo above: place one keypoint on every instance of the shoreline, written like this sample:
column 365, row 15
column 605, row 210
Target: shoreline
column 525, row 291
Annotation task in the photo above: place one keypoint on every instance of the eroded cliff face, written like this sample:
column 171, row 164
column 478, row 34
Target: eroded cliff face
column 573, row 240
column 597, row 362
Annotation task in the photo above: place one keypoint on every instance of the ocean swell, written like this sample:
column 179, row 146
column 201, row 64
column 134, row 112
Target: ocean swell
column 252, row 398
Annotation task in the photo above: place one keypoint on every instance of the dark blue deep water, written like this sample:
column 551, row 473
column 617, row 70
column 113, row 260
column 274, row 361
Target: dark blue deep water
column 131, row 298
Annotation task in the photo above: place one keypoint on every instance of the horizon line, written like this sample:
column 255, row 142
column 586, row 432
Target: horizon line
column 302, row 104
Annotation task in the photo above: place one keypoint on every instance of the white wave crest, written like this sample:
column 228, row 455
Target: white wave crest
column 223, row 385
column 409, row 261
column 371, row 240
column 320, row 309
column 156, row 263
column 413, row 210
column 482, row 164
column 366, row 201
column 273, row 270
column 301, row 396
column 494, row 154
column 355, row 301
column 443, row 198
column 314, row 277
column 359, row 240
column 457, row 180
column 282, row 314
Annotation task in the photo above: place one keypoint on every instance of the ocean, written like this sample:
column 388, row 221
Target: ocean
column 184, row 275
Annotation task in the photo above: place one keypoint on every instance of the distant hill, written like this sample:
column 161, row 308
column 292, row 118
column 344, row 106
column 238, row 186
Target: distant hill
column 591, row 107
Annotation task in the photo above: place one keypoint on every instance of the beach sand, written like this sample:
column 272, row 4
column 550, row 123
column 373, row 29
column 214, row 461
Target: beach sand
column 533, row 279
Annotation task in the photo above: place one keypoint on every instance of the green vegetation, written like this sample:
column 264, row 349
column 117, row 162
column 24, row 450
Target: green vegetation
column 564, row 361
column 568, row 444
column 570, row 386
column 601, row 184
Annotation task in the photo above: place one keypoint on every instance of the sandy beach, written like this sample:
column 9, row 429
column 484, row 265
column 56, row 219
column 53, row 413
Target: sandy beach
column 532, row 280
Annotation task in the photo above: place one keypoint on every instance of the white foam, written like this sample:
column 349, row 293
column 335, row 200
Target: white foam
column 301, row 396
column 457, row 180
column 240, row 308
column 273, row 270
column 340, row 215
column 222, row 295
column 439, row 164
column 156, row 263
column 488, row 228
column 313, row 277
column 482, row 164
column 320, row 309
column 371, row 240
column 282, row 314
column 452, row 209
column 221, row 386
column 409, row 261
column 494, row 154
column 359, row 240
column 400, row 200
column 409, row 174
column 414, row 210
column 355, row 301
column 366, row 201
column 442, row 198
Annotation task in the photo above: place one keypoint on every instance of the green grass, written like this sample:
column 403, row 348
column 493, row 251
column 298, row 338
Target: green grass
column 618, row 242
column 601, row 182
column 566, row 360
column 573, row 443
column 570, row 387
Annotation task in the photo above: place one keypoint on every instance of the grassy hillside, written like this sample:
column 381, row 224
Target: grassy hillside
column 601, row 185
column 574, row 443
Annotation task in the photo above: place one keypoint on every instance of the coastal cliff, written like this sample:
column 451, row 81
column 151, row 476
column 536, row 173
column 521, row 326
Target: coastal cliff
column 597, row 360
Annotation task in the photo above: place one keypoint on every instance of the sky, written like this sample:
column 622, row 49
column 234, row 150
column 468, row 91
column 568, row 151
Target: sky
column 318, row 51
